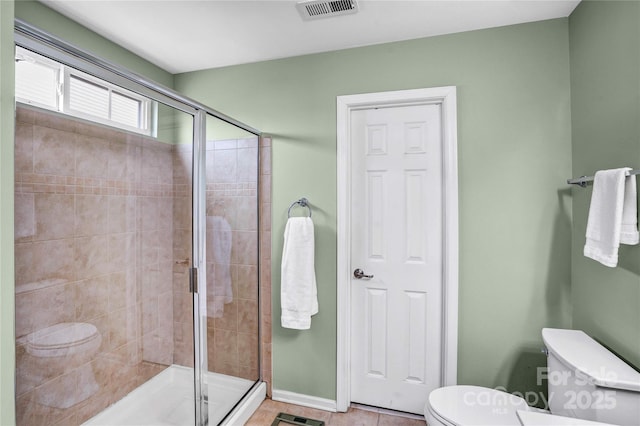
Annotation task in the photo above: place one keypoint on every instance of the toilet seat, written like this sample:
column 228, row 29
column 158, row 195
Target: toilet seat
column 474, row 405
column 429, row 412
column 61, row 339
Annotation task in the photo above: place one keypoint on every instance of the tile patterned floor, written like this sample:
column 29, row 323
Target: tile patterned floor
column 269, row 409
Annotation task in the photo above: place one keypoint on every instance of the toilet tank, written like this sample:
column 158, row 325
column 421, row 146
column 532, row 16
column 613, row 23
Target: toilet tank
column 587, row 381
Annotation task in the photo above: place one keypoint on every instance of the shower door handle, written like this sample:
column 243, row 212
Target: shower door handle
column 193, row 280
column 359, row 274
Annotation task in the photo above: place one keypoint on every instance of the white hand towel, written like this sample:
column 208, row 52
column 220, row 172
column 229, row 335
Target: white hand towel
column 614, row 198
column 298, row 293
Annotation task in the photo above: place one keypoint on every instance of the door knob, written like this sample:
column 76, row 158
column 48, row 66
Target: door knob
column 359, row 274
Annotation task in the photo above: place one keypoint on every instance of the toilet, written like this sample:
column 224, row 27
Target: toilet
column 61, row 353
column 472, row 405
column 587, row 384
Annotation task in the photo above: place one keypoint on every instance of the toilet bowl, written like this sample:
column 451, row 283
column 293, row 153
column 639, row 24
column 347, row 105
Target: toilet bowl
column 587, row 385
column 479, row 406
column 59, row 355
column 472, row 405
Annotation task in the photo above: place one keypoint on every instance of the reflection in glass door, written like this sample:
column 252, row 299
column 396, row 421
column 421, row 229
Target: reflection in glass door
column 102, row 260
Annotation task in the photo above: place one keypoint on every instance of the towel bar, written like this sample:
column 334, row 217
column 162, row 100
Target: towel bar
column 302, row 202
column 583, row 181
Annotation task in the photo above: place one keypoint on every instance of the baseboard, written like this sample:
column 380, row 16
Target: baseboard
column 304, row 400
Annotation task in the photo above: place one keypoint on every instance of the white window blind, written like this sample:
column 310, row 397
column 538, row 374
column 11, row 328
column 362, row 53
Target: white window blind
column 36, row 83
column 125, row 110
column 88, row 98
column 46, row 83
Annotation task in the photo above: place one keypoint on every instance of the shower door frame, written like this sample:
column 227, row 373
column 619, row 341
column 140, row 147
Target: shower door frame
column 34, row 39
column 197, row 288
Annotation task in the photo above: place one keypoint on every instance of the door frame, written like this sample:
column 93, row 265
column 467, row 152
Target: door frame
column 446, row 98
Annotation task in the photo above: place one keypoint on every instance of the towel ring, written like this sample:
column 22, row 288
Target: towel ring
column 302, row 202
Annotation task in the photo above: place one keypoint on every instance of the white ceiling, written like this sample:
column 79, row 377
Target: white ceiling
column 185, row 35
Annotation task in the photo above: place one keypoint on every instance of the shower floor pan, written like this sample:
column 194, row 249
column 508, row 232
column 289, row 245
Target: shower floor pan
column 167, row 399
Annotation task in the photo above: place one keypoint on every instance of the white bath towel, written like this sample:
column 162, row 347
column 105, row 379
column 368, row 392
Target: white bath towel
column 612, row 216
column 219, row 243
column 299, row 294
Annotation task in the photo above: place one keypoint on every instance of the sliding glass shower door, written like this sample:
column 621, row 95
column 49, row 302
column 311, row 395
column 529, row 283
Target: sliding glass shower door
column 227, row 302
column 136, row 255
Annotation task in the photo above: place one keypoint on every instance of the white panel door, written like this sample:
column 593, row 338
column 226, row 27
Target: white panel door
column 396, row 223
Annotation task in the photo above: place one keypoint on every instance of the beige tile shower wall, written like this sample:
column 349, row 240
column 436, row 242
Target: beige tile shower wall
column 232, row 257
column 155, row 228
column 94, row 244
column 182, row 252
column 232, row 181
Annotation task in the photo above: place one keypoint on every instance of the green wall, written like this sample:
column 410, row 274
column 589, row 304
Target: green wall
column 514, row 157
column 7, row 119
column 605, row 105
column 51, row 21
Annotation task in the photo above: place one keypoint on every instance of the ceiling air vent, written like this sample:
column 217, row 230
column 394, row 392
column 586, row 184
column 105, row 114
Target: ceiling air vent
column 315, row 9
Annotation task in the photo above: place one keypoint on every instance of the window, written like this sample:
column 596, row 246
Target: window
column 95, row 99
column 37, row 81
column 49, row 84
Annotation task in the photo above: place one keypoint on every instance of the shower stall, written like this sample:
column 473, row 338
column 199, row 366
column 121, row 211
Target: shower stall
column 138, row 261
